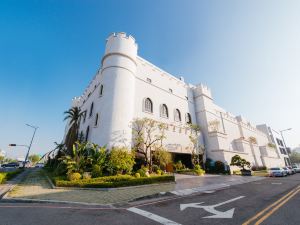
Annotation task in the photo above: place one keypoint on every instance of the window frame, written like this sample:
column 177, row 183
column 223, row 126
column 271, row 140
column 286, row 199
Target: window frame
column 145, row 109
column 91, row 110
column 101, row 90
column 177, row 112
column 96, row 122
column 188, row 118
column 162, row 111
column 87, row 132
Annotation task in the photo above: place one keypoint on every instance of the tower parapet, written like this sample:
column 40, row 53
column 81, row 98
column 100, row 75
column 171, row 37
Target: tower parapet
column 119, row 44
column 76, row 101
column 202, row 89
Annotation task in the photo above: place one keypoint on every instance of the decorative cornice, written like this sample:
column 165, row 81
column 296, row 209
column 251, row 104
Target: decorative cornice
column 120, row 54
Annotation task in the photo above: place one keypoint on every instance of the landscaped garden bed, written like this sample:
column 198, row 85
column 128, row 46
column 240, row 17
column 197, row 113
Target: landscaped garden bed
column 4, row 176
column 112, row 181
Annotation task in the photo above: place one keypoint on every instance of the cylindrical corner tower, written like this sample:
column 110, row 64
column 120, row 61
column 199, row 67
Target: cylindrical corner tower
column 118, row 77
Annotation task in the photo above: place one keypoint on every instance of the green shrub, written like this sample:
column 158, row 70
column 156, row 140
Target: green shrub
column 74, row 176
column 159, row 172
column 142, row 172
column 4, row 176
column 162, row 157
column 86, row 175
column 121, row 161
column 240, row 162
column 179, row 165
column 209, row 166
column 137, row 175
column 155, row 168
column 236, row 172
column 113, row 181
column 198, row 170
column 96, row 171
column 219, row 167
column 258, row 168
column 197, row 167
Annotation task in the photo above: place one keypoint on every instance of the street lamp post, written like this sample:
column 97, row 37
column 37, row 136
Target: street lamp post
column 28, row 146
column 281, row 131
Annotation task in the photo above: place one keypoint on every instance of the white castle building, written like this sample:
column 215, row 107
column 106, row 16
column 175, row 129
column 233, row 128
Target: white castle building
column 128, row 87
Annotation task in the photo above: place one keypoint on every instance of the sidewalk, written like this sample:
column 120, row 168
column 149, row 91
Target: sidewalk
column 35, row 186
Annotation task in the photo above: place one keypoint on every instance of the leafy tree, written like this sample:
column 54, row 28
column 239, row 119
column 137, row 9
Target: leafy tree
column 74, row 116
column 34, row 158
column 1, row 159
column 198, row 150
column 295, row 157
column 240, row 162
column 121, row 161
column 162, row 158
column 148, row 135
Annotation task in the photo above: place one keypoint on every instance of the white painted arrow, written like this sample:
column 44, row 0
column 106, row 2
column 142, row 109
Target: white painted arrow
column 211, row 208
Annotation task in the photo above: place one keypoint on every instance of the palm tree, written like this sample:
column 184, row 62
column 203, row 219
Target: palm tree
column 74, row 116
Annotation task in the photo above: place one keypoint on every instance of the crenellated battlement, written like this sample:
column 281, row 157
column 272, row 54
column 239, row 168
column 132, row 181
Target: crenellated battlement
column 120, row 45
column 76, row 101
column 121, row 35
column 202, row 89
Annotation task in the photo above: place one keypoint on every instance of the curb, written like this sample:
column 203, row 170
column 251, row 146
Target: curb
column 27, row 200
column 106, row 189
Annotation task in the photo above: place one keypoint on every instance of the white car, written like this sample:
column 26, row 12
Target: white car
column 277, row 172
column 296, row 168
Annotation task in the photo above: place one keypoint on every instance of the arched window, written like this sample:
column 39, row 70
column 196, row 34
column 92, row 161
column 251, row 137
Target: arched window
column 164, row 111
column 177, row 115
column 96, row 119
column 101, row 90
column 87, row 133
column 91, row 109
column 148, row 105
column 188, row 118
column 84, row 116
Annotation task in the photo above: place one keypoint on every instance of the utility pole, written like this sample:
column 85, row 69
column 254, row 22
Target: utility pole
column 29, row 147
column 281, row 131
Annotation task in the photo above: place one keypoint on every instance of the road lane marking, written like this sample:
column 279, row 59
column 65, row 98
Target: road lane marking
column 276, row 183
column 276, row 208
column 152, row 216
column 211, row 208
column 270, row 206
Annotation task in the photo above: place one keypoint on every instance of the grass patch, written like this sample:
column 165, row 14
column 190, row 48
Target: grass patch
column 5, row 176
column 112, row 181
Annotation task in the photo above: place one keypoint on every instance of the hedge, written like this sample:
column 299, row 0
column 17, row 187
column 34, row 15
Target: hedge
column 4, row 176
column 113, row 181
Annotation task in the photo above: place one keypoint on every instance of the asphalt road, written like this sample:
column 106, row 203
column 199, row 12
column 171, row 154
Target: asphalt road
column 270, row 201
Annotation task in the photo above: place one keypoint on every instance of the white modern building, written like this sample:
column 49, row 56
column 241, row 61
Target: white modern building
column 127, row 87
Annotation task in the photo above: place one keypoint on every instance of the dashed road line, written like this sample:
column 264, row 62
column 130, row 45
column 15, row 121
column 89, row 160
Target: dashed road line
column 152, row 216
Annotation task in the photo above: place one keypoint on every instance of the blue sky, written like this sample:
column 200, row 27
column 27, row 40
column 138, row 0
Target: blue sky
column 248, row 52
